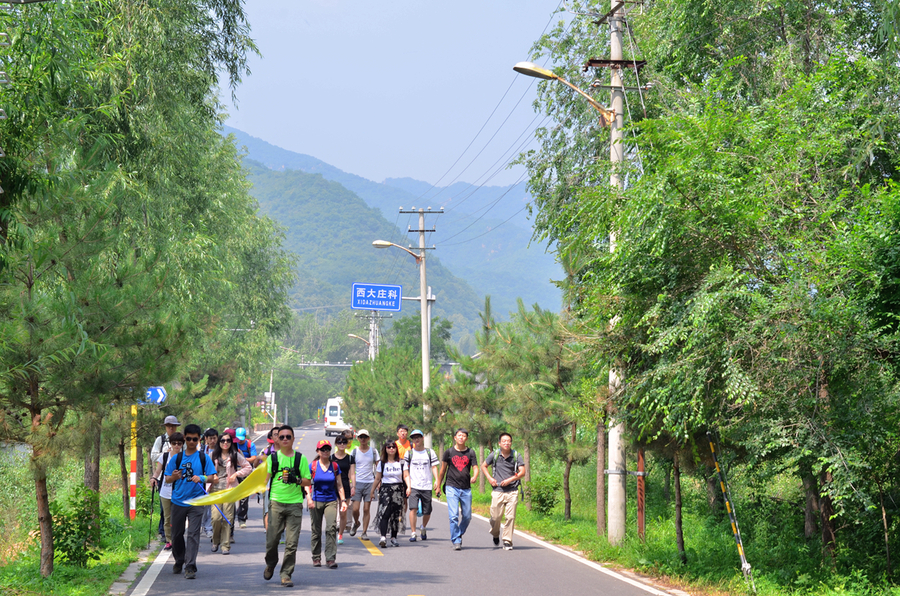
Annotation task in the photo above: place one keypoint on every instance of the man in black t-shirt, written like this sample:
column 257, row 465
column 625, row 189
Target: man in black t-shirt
column 458, row 463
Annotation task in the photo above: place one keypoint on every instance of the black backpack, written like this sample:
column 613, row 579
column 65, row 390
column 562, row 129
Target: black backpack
column 277, row 468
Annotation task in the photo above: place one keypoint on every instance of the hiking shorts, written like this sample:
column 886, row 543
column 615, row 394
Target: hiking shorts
column 416, row 495
column 363, row 491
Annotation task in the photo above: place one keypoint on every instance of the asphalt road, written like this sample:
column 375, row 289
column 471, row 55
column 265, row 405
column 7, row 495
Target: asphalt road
column 426, row 568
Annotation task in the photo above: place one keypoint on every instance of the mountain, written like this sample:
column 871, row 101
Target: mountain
column 484, row 235
column 331, row 231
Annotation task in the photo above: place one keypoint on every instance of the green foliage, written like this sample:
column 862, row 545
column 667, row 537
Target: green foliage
column 543, row 492
column 406, row 334
column 76, row 529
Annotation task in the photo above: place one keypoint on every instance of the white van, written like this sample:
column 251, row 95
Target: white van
column 334, row 417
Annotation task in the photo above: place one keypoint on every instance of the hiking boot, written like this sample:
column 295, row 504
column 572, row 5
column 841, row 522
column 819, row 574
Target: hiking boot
column 268, row 573
column 176, row 568
column 286, row 582
column 317, row 562
column 355, row 527
column 190, row 574
column 331, row 564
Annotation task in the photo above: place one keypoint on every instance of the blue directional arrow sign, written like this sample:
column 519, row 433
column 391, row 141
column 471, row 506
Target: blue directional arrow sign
column 155, row 395
column 376, row 297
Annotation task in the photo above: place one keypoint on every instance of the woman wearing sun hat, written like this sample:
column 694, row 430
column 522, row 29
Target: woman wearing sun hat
column 324, row 500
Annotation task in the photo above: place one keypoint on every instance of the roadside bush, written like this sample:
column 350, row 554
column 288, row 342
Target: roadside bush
column 543, row 491
column 76, row 527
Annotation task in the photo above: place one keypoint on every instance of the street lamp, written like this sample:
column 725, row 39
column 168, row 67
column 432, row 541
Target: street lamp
column 371, row 350
column 423, row 297
column 533, row 70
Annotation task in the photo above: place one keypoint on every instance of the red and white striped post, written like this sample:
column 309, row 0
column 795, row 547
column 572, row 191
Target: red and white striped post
column 132, row 501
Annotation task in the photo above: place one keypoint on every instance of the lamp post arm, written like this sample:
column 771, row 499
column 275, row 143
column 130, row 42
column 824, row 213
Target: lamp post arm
column 606, row 115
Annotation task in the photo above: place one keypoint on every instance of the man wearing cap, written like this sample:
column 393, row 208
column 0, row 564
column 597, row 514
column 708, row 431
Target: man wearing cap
column 248, row 449
column 366, row 458
column 422, row 481
column 161, row 445
column 457, row 463
column 288, row 474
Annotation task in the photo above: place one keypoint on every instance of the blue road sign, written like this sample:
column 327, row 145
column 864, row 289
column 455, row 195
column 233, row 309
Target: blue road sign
column 155, row 395
column 376, row 297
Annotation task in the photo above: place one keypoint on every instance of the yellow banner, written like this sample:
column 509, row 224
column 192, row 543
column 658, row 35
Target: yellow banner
column 256, row 482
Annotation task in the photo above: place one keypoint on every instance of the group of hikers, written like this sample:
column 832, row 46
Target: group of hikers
column 403, row 476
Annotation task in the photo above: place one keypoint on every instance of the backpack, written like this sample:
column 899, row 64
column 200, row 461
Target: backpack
column 334, row 466
column 178, row 463
column 515, row 455
column 276, row 469
column 245, row 448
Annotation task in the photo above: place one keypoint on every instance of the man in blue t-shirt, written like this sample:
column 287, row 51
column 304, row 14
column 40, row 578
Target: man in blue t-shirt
column 190, row 470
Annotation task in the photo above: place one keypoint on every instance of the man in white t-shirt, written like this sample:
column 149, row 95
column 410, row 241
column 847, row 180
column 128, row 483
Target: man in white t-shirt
column 366, row 458
column 422, row 481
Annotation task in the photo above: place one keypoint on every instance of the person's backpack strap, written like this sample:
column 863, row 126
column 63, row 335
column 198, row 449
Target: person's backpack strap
column 274, row 468
column 164, row 462
column 177, row 465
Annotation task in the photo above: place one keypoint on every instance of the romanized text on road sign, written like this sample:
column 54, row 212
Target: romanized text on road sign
column 376, row 297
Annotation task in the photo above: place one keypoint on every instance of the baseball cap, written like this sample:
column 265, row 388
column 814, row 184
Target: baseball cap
column 323, row 443
column 241, row 433
column 230, row 432
column 171, row 420
column 362, row 433
column 416, row 432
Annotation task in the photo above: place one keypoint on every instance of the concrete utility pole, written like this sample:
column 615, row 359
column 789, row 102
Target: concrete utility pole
column 423, row 298
column 616, row 504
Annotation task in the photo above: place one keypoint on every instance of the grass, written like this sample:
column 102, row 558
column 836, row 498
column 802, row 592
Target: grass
column 771, row 521
column 19, row 542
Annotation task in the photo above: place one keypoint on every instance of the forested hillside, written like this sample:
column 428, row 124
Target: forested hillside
column 331, row 230
column 483, row 238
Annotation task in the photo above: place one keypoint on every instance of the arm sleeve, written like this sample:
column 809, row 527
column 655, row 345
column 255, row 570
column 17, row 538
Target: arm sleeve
column 245, row 467
column 489, row 459
column 170, row 467
column 446, row 456
column 156, row 450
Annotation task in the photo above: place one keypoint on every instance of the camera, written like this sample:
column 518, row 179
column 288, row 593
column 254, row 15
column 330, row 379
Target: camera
column 289, row 477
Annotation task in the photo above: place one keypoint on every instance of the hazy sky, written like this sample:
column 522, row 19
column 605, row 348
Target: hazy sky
column 396, row 88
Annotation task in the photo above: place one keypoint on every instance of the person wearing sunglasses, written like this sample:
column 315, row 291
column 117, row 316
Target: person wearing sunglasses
column 175, row 442
column 288, row 475
column 230, row 466
column 190, row 470
column 391, row 480
column 347, row 465
column 328, row 491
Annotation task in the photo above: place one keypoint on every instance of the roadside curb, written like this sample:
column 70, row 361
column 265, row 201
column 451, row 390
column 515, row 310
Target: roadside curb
column 133, row 571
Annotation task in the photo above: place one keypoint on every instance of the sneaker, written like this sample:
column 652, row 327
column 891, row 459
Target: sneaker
column 507, row 545
column 286, row 582
column 331, row 564
column 340, row 539
column 232, row 539
column 317, row 562
column 190, row 574
column 176, row 568
column 243, row 524
column 268, row 573
column 424, row 534
column 355, row 527
column 383, row 542
column 215, row 548
column 394, row 542
column 226, row 551
column 457, row 546
column 364, row 536
column 413, row 537
column 168, row 546
column 496, row 541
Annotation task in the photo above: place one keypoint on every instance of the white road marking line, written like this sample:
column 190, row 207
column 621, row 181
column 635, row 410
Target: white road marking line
column 147, row 581
column 580, row 559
